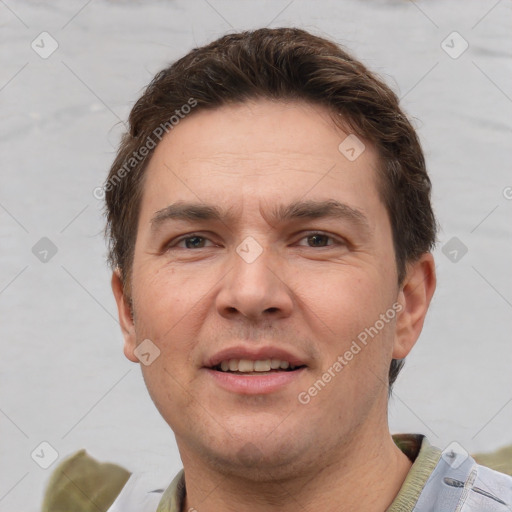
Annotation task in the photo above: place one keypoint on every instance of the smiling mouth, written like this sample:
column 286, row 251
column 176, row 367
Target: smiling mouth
column 259, row 367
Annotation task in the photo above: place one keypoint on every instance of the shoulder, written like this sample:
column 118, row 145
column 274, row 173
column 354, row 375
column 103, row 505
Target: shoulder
column 453, row 480
column 459, row 482
column 487, row 490
column 82, row 484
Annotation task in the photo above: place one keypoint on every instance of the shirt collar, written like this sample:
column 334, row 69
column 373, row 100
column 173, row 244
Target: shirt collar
column 415, row 446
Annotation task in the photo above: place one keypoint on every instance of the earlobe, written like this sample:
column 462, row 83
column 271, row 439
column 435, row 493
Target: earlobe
column 125, row 316
column 415, row 296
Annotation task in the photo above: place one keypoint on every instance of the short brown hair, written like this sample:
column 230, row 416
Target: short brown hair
column 277, row 64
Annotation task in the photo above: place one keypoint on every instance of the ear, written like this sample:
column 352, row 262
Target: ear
column 125, row 316
column 414, row 296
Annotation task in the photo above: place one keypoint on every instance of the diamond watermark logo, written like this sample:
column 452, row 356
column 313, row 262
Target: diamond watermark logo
column 352, row 147
column 44, row 45
column 44, row 455
column 44, row 250
column 454, row 455
column 454, row 45
column 146, row 352
column 249, row 250
column 454, row 249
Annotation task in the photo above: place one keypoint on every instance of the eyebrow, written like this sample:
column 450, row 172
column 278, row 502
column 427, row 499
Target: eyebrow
column 195, row 212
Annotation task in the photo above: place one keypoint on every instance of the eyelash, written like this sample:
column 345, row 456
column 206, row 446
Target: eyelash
column 189, row 236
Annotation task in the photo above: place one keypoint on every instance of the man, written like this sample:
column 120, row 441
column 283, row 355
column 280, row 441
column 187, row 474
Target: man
column 270, row 231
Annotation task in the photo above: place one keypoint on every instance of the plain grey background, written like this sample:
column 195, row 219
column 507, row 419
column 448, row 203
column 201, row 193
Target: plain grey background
column 63, row 377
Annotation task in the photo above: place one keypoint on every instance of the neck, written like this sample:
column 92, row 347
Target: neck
column 364, row 476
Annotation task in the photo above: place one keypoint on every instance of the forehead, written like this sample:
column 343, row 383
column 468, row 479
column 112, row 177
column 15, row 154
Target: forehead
column 248, row 156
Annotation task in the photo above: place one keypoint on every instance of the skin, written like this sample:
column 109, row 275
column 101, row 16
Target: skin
column 311, row 296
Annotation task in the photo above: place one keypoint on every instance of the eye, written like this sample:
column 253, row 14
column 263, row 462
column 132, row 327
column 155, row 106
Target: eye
column 190, row 241
column 318, row 239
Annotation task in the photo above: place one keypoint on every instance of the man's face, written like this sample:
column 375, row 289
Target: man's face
column 256, row 285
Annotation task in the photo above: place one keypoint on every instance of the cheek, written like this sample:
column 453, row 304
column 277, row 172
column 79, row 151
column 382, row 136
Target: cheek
column 165, row 303
column 166, row 387
column 344, row 300
column 163, row 293
column 350, row 309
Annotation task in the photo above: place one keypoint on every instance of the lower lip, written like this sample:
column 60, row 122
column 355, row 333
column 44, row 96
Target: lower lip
column 254, row 384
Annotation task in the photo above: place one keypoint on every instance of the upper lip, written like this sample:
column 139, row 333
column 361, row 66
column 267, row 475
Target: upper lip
column 253, row 354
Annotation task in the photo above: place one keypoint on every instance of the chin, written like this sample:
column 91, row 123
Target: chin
column 258, row 457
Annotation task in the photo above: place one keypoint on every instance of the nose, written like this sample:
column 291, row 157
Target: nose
column 255, row 289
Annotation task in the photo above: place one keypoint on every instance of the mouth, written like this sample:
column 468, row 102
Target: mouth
column 245, row 371
column 255, row 367
column 251, row 370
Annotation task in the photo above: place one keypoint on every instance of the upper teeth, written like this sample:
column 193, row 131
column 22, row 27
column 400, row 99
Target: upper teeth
column 246, row 365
